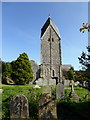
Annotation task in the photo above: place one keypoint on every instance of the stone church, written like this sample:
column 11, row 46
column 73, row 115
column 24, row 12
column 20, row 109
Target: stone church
column 49, row 72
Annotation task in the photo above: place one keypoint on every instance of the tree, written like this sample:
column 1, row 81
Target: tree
column 6, row 73
column 22, row 71
column 84, row 60
column 0, row 70
column 71, row 74
column 6, row 69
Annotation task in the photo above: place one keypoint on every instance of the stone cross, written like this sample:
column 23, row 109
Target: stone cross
column 72, row 85
column 19, row 108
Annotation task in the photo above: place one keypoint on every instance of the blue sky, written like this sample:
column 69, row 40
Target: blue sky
column 22, row 23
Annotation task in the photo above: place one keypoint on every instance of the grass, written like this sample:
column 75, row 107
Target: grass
column 33, row 96
column 66, row 109
column 71, row 110
column 81, row 92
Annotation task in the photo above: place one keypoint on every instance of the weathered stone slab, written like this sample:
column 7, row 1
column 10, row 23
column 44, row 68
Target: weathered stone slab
column 19, row 108
column 46, row 89
column 47, row 108
column 59, row 90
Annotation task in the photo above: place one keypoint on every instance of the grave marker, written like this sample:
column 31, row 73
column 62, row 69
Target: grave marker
column 19, row 108
column 47, row 108
column 59, row 90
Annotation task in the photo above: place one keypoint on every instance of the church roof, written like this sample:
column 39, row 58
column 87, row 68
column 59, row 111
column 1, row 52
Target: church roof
column 66, row 67
column 52, row 24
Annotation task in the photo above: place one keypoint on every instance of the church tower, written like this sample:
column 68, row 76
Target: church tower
column 50, row 68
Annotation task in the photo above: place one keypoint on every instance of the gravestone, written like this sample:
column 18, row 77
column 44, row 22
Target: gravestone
column 47, row 108
column 19, row 108
column 46, row 89
column 59, row 90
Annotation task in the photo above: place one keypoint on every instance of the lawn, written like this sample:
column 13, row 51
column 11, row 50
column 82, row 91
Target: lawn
column 66, row 109
column 32, row 94
column 81, row 92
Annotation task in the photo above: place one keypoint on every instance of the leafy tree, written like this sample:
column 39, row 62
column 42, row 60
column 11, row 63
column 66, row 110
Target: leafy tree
column 22, row 71
column 6, row 69
column 0, row 70
column 6, row 73
column 84, row 60
column 71, row 74
column 80, row 76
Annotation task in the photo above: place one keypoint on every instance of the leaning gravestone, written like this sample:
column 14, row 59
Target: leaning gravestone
column 19, row 108
column 47, row 108
column 59, row 90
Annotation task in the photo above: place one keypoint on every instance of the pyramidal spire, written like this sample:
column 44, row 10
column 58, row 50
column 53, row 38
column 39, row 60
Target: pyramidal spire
column 48, row 23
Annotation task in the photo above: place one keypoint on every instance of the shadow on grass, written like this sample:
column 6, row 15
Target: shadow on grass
column 73, row 111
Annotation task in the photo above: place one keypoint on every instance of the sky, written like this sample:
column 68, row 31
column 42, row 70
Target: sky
column 22, row 23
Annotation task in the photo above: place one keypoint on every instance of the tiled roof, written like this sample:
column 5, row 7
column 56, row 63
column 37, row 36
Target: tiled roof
column 52, row 24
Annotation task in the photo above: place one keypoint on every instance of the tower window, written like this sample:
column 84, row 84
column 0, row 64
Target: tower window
column 49, row 39
column 52, row 40
column 53, row 73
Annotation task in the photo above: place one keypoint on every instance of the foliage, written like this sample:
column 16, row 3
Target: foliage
column 80, row 76
column 65, row 74
column 81, row 92
column 18, row 71
column 68, row 109
column 22, row 71
column 71, row 74
column 53, row 91
column 84, row 60
column 6, row 73
column 33, row 96
column 6, row 69
column 73, row 111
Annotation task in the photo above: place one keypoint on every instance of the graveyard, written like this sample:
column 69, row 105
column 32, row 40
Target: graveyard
column 38, row 92
column 66, row 109
column 49, row 89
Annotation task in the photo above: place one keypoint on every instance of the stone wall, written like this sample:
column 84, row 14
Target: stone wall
column 35, row 68
column 50, row 55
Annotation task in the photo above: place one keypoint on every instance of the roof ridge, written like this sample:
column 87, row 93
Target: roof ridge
column 47, row 23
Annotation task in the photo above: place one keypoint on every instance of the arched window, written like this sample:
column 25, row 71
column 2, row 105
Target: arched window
column 53, row 73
